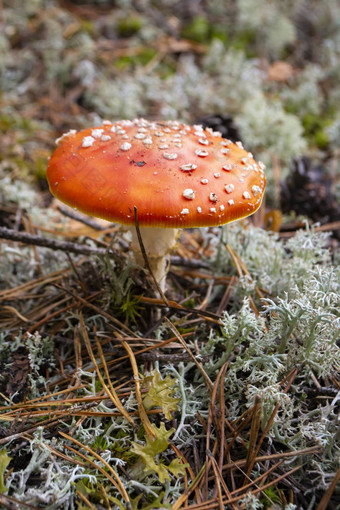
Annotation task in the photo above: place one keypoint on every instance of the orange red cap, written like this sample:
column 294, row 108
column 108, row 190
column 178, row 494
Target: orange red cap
column 176, row 175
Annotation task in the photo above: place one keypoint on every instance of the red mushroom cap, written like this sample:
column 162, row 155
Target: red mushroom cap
column 176, row 175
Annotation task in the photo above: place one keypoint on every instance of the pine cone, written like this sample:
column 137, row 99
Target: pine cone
column 223, row 123
column 308, row 191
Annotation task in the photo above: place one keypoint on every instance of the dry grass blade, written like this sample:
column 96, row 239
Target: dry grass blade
column 193, row 358
column 85, row 500
column 323, row 505
column 110, row 391
column 258, row 479
column 48, row 318
column 37, row 401
column 212, row 418
column 216, row 416
column 269, row 484
column 220, row 481
column 274, row 456
column 181, row 456
column 218, row 486
column 117, row 361
column 246, row 272
column 235, row 259
column 106, row 499
column 210, row 505
column 226, row 296
column 65, row 457
column 183, row 498
column 236, row 428
column 31, row 430
column 113, row 392
column 254, row 431
column 113, row 476
column 221, row 424
column 142, row 413
column 209, row 316
column 13, row 310
column 16, row 292
column 77, row 353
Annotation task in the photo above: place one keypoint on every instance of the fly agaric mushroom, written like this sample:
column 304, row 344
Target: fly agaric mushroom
column 175, row 175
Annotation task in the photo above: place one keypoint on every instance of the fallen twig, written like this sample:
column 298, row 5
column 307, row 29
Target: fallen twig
column 81, row 249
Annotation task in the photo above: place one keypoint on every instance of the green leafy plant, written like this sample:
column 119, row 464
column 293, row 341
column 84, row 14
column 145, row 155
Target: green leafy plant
column 160, row 393
column 4, row 461
column 156, row 503
column 151, row 451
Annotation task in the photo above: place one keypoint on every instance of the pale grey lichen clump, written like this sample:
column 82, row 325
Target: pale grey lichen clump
column 269, row 20
column 18, row 192
column 303, row 94
column 297, row 328
column 58, row 478
column 300, row 327
column 274, row 266
column 272, row 132
column 18, row 264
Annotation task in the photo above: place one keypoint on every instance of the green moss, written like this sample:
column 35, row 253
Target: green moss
column 145, row 56
column 198, row 30
column 89, row 490
column 98, row 386
column 40, row 167
column 314, row 130
column 142, row 58
column 189, row 303
column 245, row 41
column 201, row 30
column 167, row 68
column 100, row 443
column 321, row 139
column 129, row 26
column 131, row 308
column 269, row 497
column 8, row 122
column 88, row 26
column 123, row 62
column 311, row 123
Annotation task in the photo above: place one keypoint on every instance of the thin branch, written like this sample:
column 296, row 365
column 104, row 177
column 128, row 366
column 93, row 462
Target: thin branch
column 81, row 249
column 87, row 220
column 191, row 263
column 45, row 242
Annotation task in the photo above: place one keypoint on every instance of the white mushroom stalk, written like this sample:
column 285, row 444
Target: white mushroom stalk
column 158, row 243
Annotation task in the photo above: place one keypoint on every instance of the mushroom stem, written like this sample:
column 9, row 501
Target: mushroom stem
column 158, row 243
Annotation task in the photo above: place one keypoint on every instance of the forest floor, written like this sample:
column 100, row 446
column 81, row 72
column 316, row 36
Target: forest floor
column 224, row 392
